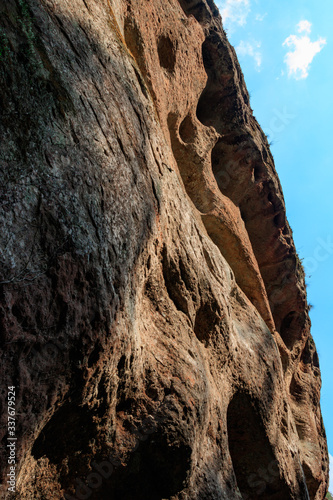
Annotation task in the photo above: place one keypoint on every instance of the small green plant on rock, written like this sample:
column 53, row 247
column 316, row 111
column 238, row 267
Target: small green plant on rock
column 299, row 265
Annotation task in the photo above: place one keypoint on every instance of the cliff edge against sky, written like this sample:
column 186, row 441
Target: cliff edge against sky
column 154, row 319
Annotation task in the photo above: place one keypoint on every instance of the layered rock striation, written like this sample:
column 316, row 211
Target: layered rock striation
column 154, row 319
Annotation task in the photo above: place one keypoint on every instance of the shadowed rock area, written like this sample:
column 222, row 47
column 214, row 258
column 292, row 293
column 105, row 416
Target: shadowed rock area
column 153, row 309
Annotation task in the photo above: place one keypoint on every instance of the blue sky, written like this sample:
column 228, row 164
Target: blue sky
column 286, row 53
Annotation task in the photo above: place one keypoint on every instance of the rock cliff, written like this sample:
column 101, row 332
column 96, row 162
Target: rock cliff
column 154, row 319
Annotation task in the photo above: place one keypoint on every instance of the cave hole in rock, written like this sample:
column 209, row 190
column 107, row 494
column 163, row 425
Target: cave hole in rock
column 255, row 467
column 187, row 130
column 174, row 282
column 156, row 469
column 206, row 107
column 280, row 220
column 166, row 53
column 258, row 173
column 207, row 320
column 291, row 329
column 221, row 171
column 199, row 9
column 67, row 434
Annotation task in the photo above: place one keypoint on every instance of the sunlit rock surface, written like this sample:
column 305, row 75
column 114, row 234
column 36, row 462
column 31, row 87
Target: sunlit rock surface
column 153, row 307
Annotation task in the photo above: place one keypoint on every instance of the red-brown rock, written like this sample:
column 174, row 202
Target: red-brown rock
column 153, row 308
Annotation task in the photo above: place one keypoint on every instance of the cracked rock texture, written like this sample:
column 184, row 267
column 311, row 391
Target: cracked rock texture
column 153, row 308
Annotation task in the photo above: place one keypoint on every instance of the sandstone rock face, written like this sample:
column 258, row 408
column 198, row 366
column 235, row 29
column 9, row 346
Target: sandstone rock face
column 153, row 308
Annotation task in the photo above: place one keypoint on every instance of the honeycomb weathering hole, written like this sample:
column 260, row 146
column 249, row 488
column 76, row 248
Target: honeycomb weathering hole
column 251, row 453
column 200, row 10
column 290, row 330
column 156, row 469
column 166, row 53
column 218, row 165
column 187, row 130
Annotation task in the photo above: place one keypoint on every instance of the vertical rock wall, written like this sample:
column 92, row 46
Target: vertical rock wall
column 153, row 308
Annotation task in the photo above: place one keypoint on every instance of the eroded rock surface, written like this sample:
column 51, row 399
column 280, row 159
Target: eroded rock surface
column 153, row 308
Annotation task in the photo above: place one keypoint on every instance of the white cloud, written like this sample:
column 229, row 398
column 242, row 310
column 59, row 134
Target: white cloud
column 304, row 50
column 252, row 50
column 305, row 26
column 234, row 11
column 331, row 474
column 261, row 17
